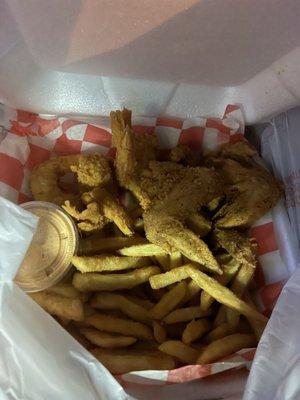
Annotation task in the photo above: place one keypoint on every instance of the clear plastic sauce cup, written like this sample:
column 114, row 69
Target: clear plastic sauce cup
column 54, row 243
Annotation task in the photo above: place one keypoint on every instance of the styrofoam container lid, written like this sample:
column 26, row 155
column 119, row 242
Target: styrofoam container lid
column 180, row 58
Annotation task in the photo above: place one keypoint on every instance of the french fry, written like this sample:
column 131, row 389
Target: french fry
column 106, row 340
column 185, row 314
column 96, row 282
column 88, row 310
column 142, row 250
column 138, row 224
column 59, row 306
column 122, row 326
column 214, row 204
column 75, row 333
column 240, row 283
column 175, row 259
column 65, row 290
column 218, row 332
column 97, row 244
column 191, row 290
column 242, row 279
column 163, row 261
column 257, row 326
column 220, row 317
column 153, row 295
column 166, row 279
column 195, row 330
column 146, row 303
column 223, row 295
column 112, row 301
column 179, row 350
column 107, row 262
column 224, row 347
column 168, row 302
column 159, row 332
column 194, row 301
column 228, row 273
column 123, row 363
column 199, row 224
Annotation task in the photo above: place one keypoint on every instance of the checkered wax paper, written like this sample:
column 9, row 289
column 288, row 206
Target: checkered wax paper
column 30, row 139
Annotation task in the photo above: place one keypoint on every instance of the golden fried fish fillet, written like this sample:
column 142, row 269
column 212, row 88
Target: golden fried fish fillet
column 165, row 221
column 158, row 179
column 136, row 166
column 239, row 246
column 251, row 193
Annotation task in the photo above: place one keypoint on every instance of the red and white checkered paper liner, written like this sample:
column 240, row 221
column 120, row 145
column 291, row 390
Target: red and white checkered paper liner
column 31, row 139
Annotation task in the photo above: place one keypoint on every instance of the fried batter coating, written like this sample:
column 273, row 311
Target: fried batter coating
column 184, row 155
column 90, row 219
column 110, row 208
column 239, row 246
column 90, row 170
column 252, row 192
column 165, row 220
column 172, row 194
column 131, row 156
column 237, row 151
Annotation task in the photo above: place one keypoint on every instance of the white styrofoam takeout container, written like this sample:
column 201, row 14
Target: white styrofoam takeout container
column 182, row 58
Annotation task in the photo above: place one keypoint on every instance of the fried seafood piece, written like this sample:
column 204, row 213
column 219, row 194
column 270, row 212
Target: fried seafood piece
column 237, row 151
column 134, row 152
column 92, row 170
column 252, row 192
column 136, row 166
column 239, row 246
column 199, row 224
column 165, row 220
column 90, row 219
column 110, row 208
column 184, row 155
column 158, row 179
column 101, row 208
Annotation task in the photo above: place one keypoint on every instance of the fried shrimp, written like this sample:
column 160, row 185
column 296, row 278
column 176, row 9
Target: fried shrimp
column 110, row 208
column 91, row 171
column 90, row 219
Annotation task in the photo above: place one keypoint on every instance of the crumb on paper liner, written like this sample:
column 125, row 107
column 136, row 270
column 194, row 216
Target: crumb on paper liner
column 31, row 139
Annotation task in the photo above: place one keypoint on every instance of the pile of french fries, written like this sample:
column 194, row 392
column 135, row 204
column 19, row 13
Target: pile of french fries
column 135, row 307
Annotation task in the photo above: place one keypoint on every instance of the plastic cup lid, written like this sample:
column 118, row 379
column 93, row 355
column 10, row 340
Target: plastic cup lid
column 53, row 245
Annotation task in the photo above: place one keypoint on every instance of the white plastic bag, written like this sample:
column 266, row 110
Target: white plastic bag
column 39, row 359
column 276, row 367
